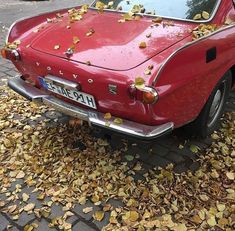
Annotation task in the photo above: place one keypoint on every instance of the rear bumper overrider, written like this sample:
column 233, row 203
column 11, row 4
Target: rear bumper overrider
column 92, row 117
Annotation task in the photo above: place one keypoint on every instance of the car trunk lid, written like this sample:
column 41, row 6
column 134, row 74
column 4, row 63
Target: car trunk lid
column 112, row 45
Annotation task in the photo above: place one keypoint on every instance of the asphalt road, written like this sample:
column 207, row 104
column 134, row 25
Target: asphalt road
column 11, row 10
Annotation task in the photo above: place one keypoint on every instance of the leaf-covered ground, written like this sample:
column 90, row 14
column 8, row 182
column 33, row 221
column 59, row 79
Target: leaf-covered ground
column 44, row 158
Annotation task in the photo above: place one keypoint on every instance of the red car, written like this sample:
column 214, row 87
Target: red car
column 141, row 70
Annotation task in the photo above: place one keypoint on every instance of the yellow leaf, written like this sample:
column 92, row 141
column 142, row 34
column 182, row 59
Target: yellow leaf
column 90, row 32
column 139, row 83
column 29, row 207
column 95, row 198
column 197, row 17
column 130, row 216
column 204, row 197
column 107, row 116
column 220, row 207
column 20, row 175
column 28, row 228
column 118, row 121
column 99, row 215
column 25, row 197
column 157, row 20
column 142, row 45
column 76, row 40
column 180, row 227
column 230, row 175
column 205, row 15
column 87, row 210
column 211, row 221
column 41, row 196
column 57, row 47
column 82, row 200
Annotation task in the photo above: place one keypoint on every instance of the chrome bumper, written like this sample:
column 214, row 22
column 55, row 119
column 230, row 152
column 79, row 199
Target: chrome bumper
column 93, row 117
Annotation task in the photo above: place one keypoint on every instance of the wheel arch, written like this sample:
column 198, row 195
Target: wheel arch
column 232, row 69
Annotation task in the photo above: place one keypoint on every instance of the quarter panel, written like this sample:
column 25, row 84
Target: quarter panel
column 190, row 80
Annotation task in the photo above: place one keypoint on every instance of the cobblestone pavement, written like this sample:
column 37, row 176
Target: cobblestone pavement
column 160, row 152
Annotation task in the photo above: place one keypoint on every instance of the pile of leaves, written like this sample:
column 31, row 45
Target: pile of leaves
column 44, row 158
column 203, row 30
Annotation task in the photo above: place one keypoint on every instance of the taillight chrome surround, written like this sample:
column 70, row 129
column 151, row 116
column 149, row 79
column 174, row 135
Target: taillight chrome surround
column 15, row 55
column 139, row 93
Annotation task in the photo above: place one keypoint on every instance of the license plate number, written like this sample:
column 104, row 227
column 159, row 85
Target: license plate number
column 69, row 93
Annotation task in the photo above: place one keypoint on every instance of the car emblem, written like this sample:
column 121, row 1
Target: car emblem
column 90, row 80
column 61, row 73
column 75, row 76
column 49, row 68
column 113, row 89
column 38, row 64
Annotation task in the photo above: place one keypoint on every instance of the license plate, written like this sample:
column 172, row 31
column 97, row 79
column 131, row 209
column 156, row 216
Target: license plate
column 69, row 93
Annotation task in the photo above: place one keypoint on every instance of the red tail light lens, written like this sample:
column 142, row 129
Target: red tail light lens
column 10, row 54
column 3, row 53
column 149, row 97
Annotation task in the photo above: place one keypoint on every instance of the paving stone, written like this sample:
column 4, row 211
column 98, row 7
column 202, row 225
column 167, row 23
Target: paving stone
column 104, row 222
column 12, row 73
column 33, row 197
column 115, row 203
column 4, row 69
column 180, row 168
column 3, row 222
column 158, row 161
column 56, row 211
column 81, row 226
column 3, row 197
column 53, row 114
column 14, row 229
column 78, row 210
column 186, row 153
column 17, row 182
column 175, row 157
column 193, row 167
column 73, row 219
column 2, row 74
column 43, row 225
column 160, row 150
column 25, row 218
column 64, row 119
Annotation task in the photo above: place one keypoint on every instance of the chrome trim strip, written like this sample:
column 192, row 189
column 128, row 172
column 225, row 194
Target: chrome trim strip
column 167, row 17
column 94, row 118
column 185, row 46
column 62, row 81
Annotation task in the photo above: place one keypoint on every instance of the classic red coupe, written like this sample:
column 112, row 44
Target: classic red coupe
column 141, row 68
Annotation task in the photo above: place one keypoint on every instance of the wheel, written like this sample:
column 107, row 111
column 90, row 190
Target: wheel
column 209, row 118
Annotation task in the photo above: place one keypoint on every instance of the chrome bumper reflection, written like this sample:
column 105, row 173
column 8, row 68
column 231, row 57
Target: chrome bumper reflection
column 93, row 117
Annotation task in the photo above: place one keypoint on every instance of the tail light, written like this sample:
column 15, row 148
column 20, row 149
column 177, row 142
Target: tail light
column 13, row 55
column 4, row 53
column 147, row 95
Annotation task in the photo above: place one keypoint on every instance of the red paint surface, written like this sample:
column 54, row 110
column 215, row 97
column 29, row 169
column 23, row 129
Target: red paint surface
column 184, row 84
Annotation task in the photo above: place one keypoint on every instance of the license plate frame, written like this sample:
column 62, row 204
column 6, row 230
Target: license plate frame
column 69, row 93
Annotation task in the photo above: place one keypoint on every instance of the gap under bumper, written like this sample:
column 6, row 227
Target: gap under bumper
column 94, row 118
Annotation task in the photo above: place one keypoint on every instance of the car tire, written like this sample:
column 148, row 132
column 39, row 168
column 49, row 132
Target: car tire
column 209, row 118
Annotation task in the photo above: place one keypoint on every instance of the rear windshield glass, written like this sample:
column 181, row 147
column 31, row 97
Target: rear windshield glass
column 182, row 9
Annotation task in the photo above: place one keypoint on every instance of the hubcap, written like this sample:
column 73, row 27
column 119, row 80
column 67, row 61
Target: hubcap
column 216, row 105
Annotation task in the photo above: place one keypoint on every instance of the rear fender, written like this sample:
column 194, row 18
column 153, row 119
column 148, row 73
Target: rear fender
column 24, row 26
column 189, row 76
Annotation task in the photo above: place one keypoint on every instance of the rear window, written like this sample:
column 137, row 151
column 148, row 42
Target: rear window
column 181, row 9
